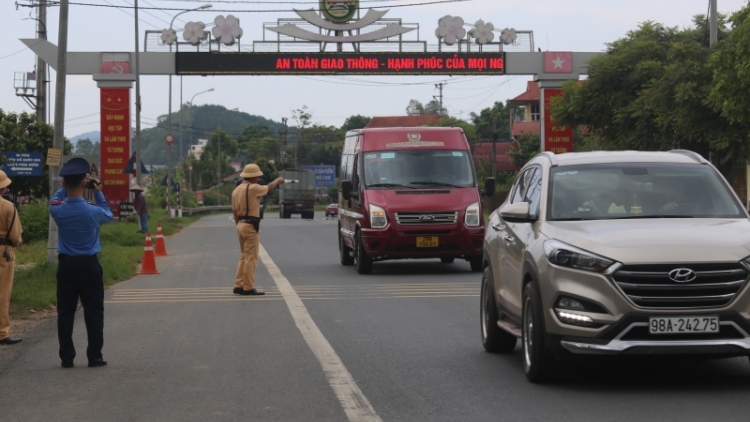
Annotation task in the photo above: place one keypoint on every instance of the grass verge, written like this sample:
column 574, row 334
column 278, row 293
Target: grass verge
column 34, row 284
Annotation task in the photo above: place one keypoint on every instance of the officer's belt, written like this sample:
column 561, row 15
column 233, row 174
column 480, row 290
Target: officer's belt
column 255, row 221
column 66, row 257
column 4, row 241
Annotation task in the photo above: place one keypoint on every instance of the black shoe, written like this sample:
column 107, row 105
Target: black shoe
column 253, row 292
column 8, row 341
column 67, row 364
column 97, row 363
column 237, row 290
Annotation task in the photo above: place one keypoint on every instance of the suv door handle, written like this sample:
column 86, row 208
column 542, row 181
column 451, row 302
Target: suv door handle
column 498, row 227
column 508, row 239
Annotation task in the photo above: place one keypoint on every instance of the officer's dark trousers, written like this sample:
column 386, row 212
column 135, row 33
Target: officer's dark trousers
column 80, row 278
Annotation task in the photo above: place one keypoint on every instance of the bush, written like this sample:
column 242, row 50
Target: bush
column 34, row 220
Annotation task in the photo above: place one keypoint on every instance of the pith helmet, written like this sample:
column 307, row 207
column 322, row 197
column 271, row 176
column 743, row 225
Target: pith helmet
column 251, row 170
column 136, row 187
column 4, row 180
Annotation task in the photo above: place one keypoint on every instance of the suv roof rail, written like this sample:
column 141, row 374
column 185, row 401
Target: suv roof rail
column 550, row 156
column 690, row 154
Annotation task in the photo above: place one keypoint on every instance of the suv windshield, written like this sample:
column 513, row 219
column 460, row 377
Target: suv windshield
column 652, row 190
column 422, row 168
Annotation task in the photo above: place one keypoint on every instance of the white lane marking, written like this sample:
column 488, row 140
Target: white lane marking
column 353, row 401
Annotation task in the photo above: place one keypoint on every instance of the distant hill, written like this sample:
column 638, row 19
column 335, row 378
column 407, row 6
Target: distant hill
column 198, row 123
column 94, row 136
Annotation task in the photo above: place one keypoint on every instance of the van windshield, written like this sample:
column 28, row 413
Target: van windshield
column 418, row 169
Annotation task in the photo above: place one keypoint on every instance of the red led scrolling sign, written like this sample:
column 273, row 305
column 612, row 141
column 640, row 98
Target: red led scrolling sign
column 341, row 63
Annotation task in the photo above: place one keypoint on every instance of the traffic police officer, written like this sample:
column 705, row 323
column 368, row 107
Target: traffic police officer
column 79, row 274
column 246, row 210
column 10, row 230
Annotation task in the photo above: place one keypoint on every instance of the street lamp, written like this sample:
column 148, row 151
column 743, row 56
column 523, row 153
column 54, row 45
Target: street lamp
column 169, row 115
column 218, row 148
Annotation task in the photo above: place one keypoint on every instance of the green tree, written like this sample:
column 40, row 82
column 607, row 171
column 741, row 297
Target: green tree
column 85, row 147
column 527, row 148
column 22, row 133
column 731, row 71
column 355, row 122
column 257, row 142
column 494, row 121
column 650, row 92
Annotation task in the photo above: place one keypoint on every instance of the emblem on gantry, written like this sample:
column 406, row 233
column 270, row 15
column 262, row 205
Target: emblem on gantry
column 335, row 15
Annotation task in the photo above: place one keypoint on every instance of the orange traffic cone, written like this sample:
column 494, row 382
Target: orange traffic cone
column 148, row 265
column 161, row 249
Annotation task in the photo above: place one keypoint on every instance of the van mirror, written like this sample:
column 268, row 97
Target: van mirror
column 347, row 190
column 489, row 187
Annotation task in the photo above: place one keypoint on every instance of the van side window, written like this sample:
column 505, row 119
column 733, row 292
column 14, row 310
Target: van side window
column 355, row 172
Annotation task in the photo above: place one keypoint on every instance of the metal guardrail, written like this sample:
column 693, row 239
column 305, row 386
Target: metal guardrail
column 199, row 210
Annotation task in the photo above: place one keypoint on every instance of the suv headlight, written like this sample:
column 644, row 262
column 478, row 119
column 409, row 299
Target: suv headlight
column 472, row 215
column 378, row 220
column 564, row 255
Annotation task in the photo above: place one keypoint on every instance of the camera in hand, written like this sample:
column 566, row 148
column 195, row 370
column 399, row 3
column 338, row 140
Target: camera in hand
column 91, row 184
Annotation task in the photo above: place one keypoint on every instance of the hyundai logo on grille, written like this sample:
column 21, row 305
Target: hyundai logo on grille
column 426, row 217
column 682, row 275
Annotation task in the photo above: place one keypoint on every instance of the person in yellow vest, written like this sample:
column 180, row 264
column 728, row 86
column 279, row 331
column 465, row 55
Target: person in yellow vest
column 246, row 210
column 10, row 231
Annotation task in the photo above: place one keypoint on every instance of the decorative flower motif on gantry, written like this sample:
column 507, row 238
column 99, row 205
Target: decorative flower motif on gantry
column 482, row 32
column 168, row 36
column 194, row 32
column 227, row 30
column 508, row 36
column 450, row 29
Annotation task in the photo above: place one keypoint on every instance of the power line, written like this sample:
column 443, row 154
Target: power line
column 272, row 2
column 261, row 11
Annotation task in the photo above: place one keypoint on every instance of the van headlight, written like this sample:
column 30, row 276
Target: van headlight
column 471, row 218
column 378, row 220
column 564, row 255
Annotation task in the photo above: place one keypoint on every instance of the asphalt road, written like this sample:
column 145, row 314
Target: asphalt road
column 325, row 343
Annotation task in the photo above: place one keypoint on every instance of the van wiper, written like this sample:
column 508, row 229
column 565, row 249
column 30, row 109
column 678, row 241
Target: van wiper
column 576, row 219
column 388, row 185
column 436, row 184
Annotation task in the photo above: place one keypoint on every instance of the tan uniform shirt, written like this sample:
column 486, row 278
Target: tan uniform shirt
column 6, row 218
column 240, row 204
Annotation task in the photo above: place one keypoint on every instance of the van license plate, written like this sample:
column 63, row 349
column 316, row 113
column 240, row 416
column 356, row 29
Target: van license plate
column 427, row 242
column 683, row 325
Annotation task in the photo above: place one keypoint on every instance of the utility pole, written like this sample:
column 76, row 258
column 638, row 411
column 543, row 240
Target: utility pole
column 137, row 101
column 41, row 66
column 58, row 140
column 440, row 96
column 714, row 37
column 283, row 133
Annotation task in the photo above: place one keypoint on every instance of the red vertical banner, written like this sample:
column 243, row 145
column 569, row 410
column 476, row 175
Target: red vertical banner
column 557, row 139
column 115, row 144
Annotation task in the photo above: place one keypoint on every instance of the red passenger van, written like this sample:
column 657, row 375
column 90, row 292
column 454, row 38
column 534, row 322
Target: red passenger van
column 409, row 193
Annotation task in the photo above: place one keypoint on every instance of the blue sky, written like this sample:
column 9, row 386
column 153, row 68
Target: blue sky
column 558, row 25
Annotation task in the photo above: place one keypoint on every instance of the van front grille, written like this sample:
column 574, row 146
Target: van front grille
column 650, row 286
column 426, row 218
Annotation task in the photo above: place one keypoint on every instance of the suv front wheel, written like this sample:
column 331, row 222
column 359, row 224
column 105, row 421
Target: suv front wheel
column 538, row 362
column 494, row 338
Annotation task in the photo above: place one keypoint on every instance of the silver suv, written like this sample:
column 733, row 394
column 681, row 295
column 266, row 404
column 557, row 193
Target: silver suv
column 617, row 253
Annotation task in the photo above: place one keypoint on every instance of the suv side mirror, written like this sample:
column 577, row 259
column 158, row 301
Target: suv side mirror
column 518, row 211
column 489, row 187
column 347, row 190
